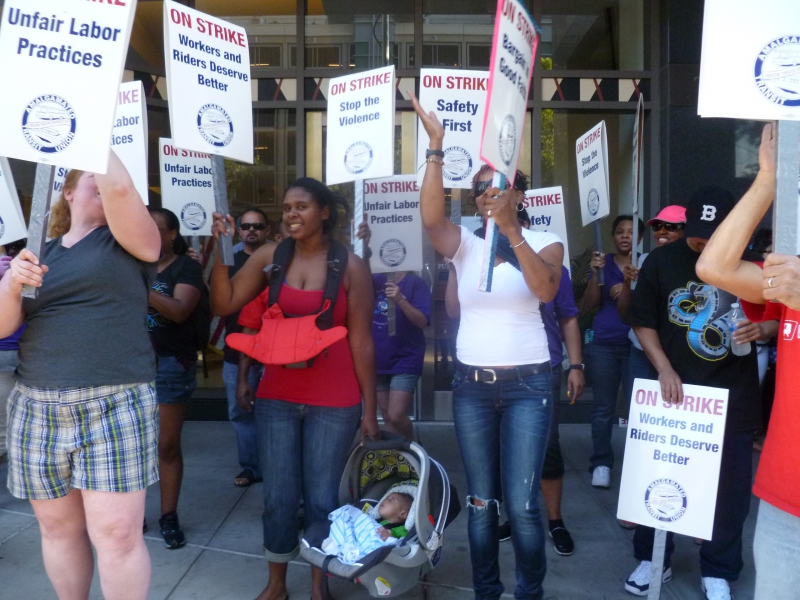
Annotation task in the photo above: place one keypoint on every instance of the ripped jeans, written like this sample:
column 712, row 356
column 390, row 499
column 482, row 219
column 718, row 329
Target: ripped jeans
column 502, row 431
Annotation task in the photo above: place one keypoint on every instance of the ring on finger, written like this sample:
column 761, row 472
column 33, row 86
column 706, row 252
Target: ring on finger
column 769, row 282
column 489, row 212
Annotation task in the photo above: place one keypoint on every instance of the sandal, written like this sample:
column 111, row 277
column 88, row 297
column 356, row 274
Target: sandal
column 249, row 478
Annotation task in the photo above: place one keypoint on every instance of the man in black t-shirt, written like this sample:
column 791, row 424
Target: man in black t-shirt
column 254, row 231
column 684, row 327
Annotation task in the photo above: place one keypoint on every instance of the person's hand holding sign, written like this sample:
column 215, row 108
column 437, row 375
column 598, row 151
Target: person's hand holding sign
column 25, row 270
column 502, row 207
column 782, row 280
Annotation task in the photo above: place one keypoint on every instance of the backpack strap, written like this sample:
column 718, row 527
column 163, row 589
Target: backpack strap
column 337, row 264
column 280, row 264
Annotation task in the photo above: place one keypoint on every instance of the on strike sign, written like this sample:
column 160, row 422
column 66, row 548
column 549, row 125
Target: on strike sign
column 63, row 60
column 208, row 82
column 545, row 208
column 672, row 458
column 591, row 151
column 130, row 134
column 361, row 126
column 392, row 205
column 186, row 187
column 510, row 72
column 458, row 98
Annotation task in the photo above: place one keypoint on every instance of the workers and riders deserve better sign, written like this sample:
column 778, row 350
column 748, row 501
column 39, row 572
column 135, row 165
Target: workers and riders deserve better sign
column 208, row 83
column 672, row 459
column 63, row 62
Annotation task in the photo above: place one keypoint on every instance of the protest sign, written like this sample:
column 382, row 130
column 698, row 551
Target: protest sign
column 750, row 64
column 208, row 83
column 12, row 221
column 392, row 205
column 186, row 187
column 129, row 138
column 510, row 72
column 591, row 150
column 59, row 179
column 545, row 207
column 672, row 459
column 458, row 99
column 361, row 126
column 63, row 61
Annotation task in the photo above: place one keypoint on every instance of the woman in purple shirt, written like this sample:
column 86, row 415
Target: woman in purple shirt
column 399, row 357
column 607, row 352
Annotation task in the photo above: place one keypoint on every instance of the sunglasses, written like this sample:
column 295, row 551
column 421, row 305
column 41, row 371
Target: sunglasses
column 481, row 187
column 256, row 226
column 659, row 225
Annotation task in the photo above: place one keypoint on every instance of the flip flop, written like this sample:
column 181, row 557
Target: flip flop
column 248, row 475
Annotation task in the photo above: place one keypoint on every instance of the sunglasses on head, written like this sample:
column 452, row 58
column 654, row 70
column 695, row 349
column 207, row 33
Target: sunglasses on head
column 256, row 226
column 659, row 225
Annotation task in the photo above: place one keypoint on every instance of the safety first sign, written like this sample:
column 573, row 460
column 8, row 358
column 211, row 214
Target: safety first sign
column 545, row 208
column 62, row 63
column 458, row 99
column 208, row 83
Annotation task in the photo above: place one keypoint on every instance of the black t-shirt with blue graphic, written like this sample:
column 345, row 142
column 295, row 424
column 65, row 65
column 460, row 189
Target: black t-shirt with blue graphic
column 692, row 320
column 170, row 338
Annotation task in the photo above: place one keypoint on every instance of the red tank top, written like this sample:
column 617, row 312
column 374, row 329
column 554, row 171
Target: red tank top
column 331, row 381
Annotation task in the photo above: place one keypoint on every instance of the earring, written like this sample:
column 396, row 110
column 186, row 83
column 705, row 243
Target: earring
column 520, row 206
column 477, row 215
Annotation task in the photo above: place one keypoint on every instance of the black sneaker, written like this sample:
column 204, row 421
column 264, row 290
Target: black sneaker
column 171, row 531
column 504, row 532
column 562, row 541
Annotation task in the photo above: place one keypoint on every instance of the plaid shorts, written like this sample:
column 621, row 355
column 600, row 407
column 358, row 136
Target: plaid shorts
column 101, row 438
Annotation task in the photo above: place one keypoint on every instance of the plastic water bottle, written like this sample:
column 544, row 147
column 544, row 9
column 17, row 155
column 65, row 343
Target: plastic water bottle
column 737, row 315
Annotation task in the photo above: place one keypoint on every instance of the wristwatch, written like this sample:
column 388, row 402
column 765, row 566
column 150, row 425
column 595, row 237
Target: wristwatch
column 579, row 367
column 429, row 153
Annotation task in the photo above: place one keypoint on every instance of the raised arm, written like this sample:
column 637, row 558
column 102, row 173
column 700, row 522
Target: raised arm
column 230, row 295
column 360, row 304
column 721, row 262
column 127, row 216
column 446, row 236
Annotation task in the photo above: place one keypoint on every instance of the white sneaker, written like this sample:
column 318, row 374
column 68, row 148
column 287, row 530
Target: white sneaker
column 638, row 583
column 716, row 588
column 601, row 477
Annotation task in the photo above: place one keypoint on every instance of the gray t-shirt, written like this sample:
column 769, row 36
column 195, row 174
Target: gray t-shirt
column 87, row 327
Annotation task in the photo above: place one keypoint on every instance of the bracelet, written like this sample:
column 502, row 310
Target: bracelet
column 434, row 159
column 520, row 244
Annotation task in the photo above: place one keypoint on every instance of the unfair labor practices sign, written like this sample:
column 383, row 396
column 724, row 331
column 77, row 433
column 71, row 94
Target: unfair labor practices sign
column 129, row 137
column 361, row 126
column 186, row 187
column 591, row 152
column 672, row 459
column 545, row 208
column 510, row 72
column 62, row 61
column 458, row 98
column 208, row 83
column 750, row 66
column 12, row 221
column 392, row 207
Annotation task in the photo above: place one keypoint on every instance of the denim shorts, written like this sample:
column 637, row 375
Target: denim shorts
column 102, row 438
column 176, row 379
column 402, row 382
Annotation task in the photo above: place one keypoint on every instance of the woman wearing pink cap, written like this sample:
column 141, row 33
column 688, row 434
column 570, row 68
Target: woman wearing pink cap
column 667, row 227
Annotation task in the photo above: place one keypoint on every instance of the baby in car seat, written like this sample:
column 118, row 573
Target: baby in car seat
column 355, row 534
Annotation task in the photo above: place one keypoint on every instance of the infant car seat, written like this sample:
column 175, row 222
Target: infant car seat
column 392, row 464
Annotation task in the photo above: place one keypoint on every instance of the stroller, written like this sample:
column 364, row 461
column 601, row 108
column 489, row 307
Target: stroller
column 393, row 464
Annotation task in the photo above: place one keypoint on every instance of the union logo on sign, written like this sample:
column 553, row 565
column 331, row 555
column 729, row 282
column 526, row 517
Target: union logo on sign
column 665, row 500
column 215, row 125
column 193, row 215
column 48, row 124
column 777, row 71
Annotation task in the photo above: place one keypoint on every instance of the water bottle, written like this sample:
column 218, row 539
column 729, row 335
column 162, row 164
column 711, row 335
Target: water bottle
column 737, row 315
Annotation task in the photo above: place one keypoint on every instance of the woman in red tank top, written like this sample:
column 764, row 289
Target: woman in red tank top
column 307, row 418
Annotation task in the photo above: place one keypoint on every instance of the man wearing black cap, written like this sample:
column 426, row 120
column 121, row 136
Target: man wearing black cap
column 684, row 327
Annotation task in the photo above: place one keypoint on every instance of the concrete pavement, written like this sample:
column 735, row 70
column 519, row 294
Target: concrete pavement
column 223, row 526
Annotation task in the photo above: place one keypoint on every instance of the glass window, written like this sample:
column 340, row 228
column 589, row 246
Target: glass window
column 441, row 55
column 479, row 56
column 357, row 30
column 594, row 34
column 457, row 35
column 265, row 55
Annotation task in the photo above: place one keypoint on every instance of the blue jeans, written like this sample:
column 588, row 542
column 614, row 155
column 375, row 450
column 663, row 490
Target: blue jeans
column 303, row 450
column 244, row 423
column 502, row 431
column 176, row 379
column 607, row 368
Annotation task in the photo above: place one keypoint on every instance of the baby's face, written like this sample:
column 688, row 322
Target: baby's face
column 394, row 508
